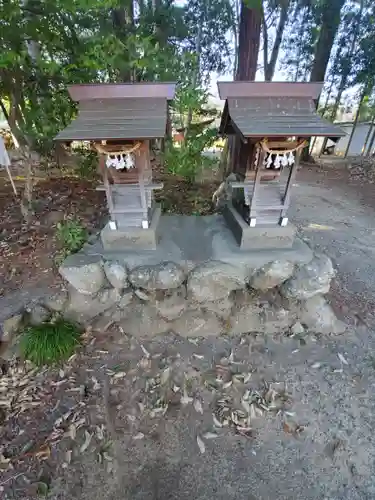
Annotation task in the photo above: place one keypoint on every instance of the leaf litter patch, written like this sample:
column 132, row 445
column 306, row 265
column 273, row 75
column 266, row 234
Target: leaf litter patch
column 102, row 397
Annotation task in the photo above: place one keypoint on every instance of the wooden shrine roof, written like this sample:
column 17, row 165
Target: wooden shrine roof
column 119, row 111
column 261, row 109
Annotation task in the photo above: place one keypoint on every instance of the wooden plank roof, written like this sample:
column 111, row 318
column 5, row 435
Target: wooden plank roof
column 269, row 89
column 273, row 109
column 119, row 111
column 142, row 90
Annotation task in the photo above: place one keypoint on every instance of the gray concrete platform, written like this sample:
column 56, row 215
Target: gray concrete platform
column 260, row 237
column 133, row 238
column 190, row 240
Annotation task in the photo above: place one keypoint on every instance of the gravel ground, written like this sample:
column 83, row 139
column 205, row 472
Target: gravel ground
column 321, row 447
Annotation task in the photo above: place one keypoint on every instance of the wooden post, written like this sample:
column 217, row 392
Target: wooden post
column 258, row 176
column 107, row 186
column 142, row 190
column 291, row 177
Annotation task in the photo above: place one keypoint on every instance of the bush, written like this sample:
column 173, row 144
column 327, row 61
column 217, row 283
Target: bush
column 72, row 235
column 189, row 158
column 50, row 343
column 88, row 162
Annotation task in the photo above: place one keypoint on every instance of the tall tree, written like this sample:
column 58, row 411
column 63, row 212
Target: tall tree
column 344, row 60
column 248, row 50
column 299, row 39
column 282, row 6
column 329, row 24
column 249, row 40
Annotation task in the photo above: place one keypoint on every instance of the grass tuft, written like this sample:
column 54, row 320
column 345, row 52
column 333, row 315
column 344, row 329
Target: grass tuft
column 71, row 235
column 50, row 343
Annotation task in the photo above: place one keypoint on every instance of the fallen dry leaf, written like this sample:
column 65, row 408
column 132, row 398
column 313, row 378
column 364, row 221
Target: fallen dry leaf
column 164, row 377
column 210, row 435
column 198, row 406
column 185, row 399
column 342, row 359
column 43, row 453
column 87, row 442
column 217, row 422
column 201, row 445
column 145, row 351
column 198, row 356
column 68, row 456
column 72, row 431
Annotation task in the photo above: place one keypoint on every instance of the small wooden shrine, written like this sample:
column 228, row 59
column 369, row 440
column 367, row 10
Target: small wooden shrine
column 120, row 120
column 271, row 121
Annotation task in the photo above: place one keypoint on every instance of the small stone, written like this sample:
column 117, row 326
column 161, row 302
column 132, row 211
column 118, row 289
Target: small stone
column 11, row 326
column 318, row 317
column 142, row 321
column 197, row 324
column 163, row 276
column 297, row 329
column 38, row 314
column 272, row 275
column 84, row 273
column 276, row 320
column 214, row 280
column 102, row 323
column 116, row 274
column 260, row 318
column 246, row 319
column 57, row 302
column 83, row 308
column 142, row 295
column 221, row 308
column 126, row 298
column 171, row 307
column 310, row 279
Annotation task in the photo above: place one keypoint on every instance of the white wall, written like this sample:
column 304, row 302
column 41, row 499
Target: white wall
column 358, row 140
column 356, row 145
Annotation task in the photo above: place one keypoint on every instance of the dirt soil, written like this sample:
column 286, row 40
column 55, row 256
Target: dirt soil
column 27, row 251
column 116, row 422
column 180, row 196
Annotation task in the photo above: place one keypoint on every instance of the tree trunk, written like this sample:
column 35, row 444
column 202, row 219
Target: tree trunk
column 235, row 36
column 248, row 49
column 325, row 140
column 224, row 167
column 363, row 95
column 269, row 69
column 265, row 45
column 123, row 25
column 248, row 46
column 323, row 112
column 3, row 109
column 300, row 35
column 195, row 77
column 368, row 135
column 328, row 29
column 371, row 144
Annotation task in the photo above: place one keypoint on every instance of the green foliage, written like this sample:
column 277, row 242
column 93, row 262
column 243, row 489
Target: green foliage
column 213, row 21
column 189, row 158
column 72, row 235
column 50, row 343
column 47, row 44
column 87, row 163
